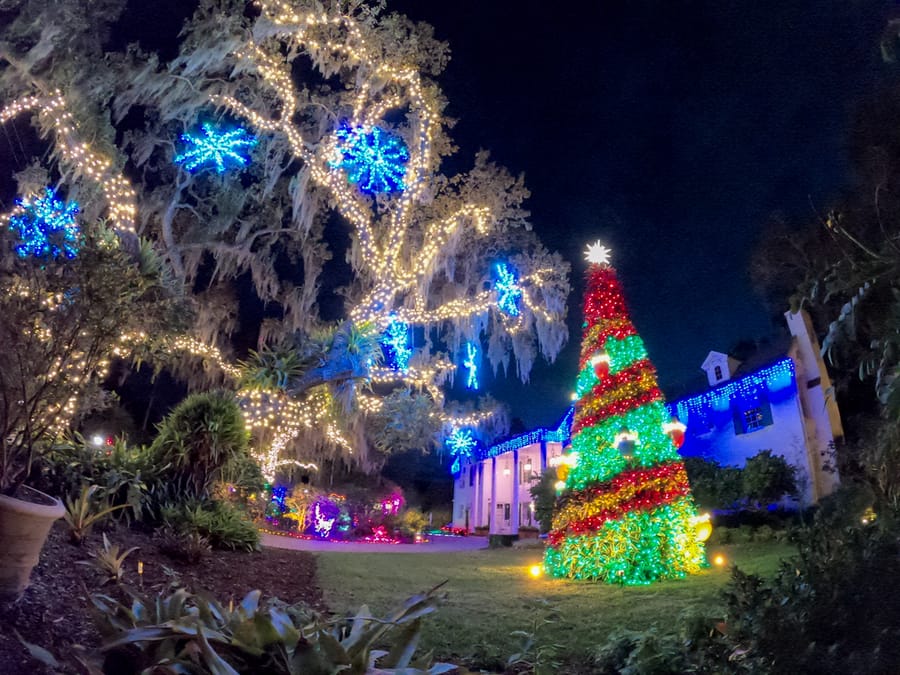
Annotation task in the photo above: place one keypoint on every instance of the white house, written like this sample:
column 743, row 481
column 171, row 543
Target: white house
column 492, row 489
column 780, row 405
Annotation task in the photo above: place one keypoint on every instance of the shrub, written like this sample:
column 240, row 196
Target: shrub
column 50, row 358
column 189, row 546
column 223, row 525
column 767, row 478
column 120, row 472
column 412, row 522
column 109, row 561
column 647, row 652
column 825, row 610
column 198, row 440
column 543, row 494
column 187, row 633
column 712, row 485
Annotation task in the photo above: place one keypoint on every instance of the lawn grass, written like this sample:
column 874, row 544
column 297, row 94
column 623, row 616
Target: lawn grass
column 490, row 595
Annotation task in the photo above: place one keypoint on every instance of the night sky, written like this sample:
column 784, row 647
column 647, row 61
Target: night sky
column 671, row 130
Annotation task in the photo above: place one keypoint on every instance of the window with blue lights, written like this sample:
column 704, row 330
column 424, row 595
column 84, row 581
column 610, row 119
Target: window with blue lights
column 745, row 402
column 753, row 415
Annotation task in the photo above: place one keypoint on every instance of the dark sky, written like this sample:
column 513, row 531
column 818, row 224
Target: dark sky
column 671, row 130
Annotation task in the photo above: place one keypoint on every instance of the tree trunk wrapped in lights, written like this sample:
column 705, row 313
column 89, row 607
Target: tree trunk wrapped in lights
column 626, row 514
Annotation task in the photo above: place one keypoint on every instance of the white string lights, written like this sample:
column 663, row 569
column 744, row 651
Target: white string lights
column 79, row 157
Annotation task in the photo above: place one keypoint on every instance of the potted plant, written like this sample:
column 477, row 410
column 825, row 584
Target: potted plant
column 67, row 295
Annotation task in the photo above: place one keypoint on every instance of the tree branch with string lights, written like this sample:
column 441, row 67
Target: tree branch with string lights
column 242, row 169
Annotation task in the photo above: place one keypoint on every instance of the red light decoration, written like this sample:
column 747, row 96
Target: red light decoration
column 600, row 362
column 674, row 429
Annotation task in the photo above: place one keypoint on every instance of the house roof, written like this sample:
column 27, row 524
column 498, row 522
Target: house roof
column 560, row 434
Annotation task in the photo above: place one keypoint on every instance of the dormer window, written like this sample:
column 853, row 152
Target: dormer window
column 718, row 373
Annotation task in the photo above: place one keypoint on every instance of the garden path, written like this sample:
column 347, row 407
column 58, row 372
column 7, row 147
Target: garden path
column 435, row 544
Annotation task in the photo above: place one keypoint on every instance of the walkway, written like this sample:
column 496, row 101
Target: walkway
column 435, row 544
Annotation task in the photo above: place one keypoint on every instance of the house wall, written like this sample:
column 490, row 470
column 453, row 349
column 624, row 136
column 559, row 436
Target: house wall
column 495, row 492
column 719, row 437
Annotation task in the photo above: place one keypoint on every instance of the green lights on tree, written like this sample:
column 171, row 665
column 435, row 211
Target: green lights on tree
column 626, row 514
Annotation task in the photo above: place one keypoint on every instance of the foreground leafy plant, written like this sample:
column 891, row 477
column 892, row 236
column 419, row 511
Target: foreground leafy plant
column 109, row 560
column 83, row 511
column 187, row 633
column 535, row 652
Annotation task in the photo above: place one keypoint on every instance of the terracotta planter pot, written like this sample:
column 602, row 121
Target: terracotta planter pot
column 24, row 526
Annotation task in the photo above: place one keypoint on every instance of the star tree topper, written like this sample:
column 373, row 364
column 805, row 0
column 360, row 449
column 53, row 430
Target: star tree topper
column 597, row 253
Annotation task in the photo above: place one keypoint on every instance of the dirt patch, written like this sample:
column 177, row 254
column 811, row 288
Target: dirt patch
column 55, row 611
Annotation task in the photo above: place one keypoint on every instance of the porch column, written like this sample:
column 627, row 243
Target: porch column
column 514, row 522
column 492, row 509
column 477, row 500
column 543, row 456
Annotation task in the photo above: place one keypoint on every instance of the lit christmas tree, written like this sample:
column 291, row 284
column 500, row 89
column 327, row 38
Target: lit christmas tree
column 626, row 514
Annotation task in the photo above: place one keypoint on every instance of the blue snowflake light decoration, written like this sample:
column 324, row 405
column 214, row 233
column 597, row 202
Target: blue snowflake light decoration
column 508, row 291
column 46, row 227
column 374, row 159
column 215, row 147
column 395, row 344
column 461, row 444
column 471, row 365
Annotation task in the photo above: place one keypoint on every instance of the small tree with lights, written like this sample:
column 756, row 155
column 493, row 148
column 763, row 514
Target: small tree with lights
column 626, row 514
column 68, row 290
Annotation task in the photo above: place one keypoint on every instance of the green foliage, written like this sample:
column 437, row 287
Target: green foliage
column 109, row 561
column 712, row 485
column 845, row 506
column 270, row 368
column 187, row 545
column 648, row 652
column 186, row 633
column 536, row 651
column 406, row 421
column 767, row 478
column 222, row 525
column 198, row 439
column 827, row 610
column 85, row 510
column 50, row 358
column 412, row 522
column 543, row 494
column 239, row 479
column 120, row 472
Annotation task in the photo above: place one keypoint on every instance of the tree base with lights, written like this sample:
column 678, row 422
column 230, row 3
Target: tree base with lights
column 626, row 514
